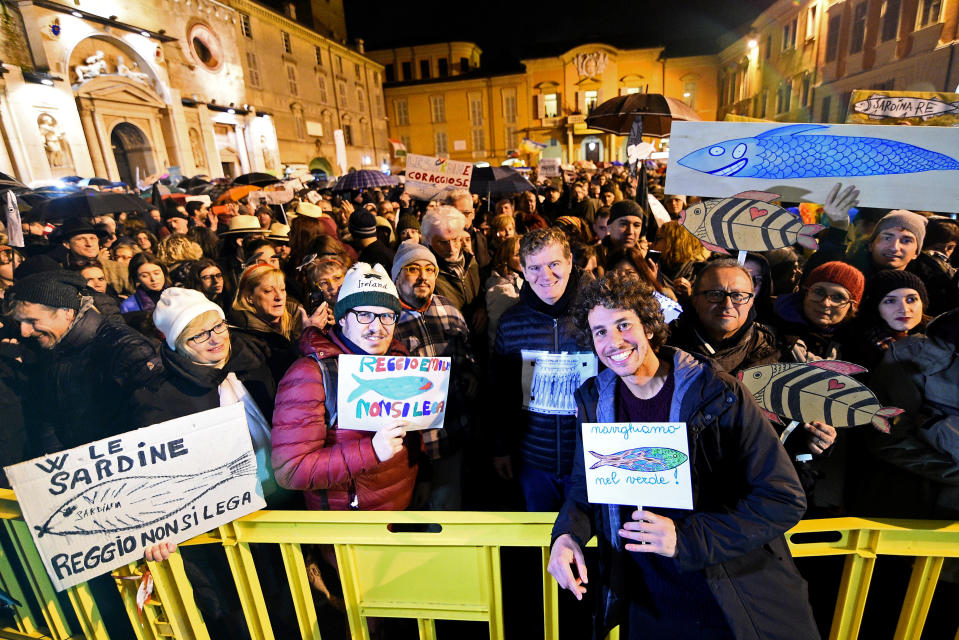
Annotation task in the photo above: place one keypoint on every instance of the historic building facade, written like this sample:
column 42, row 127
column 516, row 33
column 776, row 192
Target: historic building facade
column 800, row 61
column 440, row 103
column 213, row 88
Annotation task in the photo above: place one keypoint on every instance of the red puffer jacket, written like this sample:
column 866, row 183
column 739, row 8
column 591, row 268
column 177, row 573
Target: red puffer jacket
column 330, row 465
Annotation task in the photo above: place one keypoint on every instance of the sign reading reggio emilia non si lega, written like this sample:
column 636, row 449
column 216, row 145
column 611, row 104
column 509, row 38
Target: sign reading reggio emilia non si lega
column 96, row 507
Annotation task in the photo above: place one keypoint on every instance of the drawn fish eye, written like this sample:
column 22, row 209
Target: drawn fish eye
column 739, row 151
column 716, row 151
column 757, row 375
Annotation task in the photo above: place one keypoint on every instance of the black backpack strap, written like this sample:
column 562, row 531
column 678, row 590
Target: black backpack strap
column 329, row 369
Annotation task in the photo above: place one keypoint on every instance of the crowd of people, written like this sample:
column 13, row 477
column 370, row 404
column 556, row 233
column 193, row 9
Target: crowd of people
column 127, row 320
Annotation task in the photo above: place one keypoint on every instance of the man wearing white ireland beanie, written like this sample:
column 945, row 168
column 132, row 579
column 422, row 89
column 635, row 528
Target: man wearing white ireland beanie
column 177, row 308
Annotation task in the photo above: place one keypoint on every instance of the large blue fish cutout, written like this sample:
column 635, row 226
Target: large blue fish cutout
column 784, row 153
column 393, row 388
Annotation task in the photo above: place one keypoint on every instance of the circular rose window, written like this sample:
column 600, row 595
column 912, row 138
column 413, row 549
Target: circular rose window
column 205, row 46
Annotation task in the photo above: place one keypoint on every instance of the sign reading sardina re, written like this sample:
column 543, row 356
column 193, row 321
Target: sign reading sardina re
column 96, row 507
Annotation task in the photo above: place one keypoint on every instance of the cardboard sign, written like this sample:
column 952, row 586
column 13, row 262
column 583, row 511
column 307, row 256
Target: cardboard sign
column 927, row 108
column 820, row 390
column 339, row 142
column 893, row 167
column 429, row 177
column 96, row 507
column 549, row 167
column 638, row 463
column 550, row 379
column 378, row 391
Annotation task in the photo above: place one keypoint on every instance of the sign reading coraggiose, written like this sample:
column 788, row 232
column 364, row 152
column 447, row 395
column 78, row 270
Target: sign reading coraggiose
column 96, row 507
column 427, row 177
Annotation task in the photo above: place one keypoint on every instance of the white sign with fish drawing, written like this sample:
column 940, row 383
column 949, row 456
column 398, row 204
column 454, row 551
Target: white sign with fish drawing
column 549, row 380
column 893, row 167
column 96, row 507
column 380, row 391
column 645, row 464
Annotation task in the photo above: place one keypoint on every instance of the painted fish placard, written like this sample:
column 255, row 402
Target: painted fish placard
column 879, row 106
column 637, row 463
column 893, row 167
column 374, row 392
column 646, row 459
column 98, row 506
column 747, row 222
column 821, row 390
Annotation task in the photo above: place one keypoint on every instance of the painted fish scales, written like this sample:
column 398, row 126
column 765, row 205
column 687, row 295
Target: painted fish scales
column 645, row 459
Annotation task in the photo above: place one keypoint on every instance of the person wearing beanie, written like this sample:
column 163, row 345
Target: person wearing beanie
column 897, row 239
column 626, row 225
column 337, row 468
column 934, row 267
column 82, row 391
column 408, row 228
column 177, row 220
column 430, row 326
column 371, row 249
column 812, row 321
column 893, row 307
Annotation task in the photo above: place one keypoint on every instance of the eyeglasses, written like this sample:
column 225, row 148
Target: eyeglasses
column 203, row 336
column 367, row 317
column 330, row 283
column 415, row 270
column 212, row 277
column 718, row 296
column 819, row 295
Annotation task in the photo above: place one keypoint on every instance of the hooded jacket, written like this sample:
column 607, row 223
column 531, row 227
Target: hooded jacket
column 337, row 469
column 745, row 496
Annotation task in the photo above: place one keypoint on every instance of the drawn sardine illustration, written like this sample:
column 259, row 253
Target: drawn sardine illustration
column 784, row 153
column 747, row 222
column 646, row 459
column 878, row 106
column 393, row 388
column 819, row 390
column 133, row 502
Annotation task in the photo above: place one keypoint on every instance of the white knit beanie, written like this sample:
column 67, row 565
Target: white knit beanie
column 177, row 308
column 366, row 286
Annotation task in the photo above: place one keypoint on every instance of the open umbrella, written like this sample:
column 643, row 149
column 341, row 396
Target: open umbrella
column 495, row 181
column 193, row 182
column 362, row 179
column 95, row 182
column 236, row 193
column 618, row 114
column 255, row 178
column 88, row 204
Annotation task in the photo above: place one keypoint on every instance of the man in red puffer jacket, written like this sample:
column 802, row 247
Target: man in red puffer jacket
column 343, row 469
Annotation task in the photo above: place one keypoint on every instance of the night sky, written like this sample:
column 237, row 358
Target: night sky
column 508, row 31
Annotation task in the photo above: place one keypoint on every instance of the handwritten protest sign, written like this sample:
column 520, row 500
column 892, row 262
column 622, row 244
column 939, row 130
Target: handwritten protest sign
column 638, row 463
column 868, row 106
column 429, row 177
column 549, row 167
column 549, row 380
column 96, row 507
column 894, row 167
column 378, row 391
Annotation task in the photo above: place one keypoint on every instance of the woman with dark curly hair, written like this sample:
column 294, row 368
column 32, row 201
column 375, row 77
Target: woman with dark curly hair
column 721, row 570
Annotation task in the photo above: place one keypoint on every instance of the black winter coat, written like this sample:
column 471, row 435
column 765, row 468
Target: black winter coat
column 82, row 390
column 753, row 345
column 745, row 496
column 545, row 441
column 186, row 387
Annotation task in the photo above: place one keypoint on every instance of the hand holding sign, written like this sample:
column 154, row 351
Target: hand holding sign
column 653, row 532
column 389, row 441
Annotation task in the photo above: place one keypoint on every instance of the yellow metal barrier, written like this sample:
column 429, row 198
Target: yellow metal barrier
column 433, row 566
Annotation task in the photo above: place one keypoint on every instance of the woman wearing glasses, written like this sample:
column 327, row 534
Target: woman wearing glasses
column 10, row 259
column 812, row 322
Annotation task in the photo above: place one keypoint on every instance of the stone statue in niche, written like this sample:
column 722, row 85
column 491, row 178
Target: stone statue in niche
column 94, row 66
column 133, row 73
column 590, row 65
column 54, row 142
column 196, row 146
column 267, row 154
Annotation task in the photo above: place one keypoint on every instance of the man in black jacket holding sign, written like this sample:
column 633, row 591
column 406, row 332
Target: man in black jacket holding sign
column 721, row 570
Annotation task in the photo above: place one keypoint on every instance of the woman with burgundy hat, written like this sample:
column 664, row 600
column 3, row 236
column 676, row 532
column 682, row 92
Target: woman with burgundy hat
column 811, row 322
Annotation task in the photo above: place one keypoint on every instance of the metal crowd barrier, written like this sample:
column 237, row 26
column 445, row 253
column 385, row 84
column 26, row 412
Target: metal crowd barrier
column 402, row 565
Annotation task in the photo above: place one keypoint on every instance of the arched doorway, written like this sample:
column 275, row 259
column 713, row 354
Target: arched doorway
column 592, row 149
column 131, row 150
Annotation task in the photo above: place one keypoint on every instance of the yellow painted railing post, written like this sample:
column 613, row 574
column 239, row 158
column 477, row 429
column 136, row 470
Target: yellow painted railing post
column 427, row 628
column 496, row 594
column 176, row 596
column 22, row 614
column 351, row 593
column 922, row 586
column 854, row 586
column 550, row 601
column 247, row 584
column 300, row 588
column 87, row 613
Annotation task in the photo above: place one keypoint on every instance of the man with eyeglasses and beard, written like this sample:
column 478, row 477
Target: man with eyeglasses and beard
column 430, row 326
column 342, row 469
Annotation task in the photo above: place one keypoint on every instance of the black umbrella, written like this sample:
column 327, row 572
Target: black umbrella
column 89, row 204
column 95, row 182
column 657, row 112
column 495, row 181
column 256, row 179
column 196, row 181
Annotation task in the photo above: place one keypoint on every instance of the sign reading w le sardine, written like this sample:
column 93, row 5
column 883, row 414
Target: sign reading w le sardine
column 378, row 391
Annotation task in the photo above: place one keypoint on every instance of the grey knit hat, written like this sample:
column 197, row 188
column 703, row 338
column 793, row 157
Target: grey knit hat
column 902, row 219
column 407, row 252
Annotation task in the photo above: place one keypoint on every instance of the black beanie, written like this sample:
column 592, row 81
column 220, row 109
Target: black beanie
column 624, row 208
column 35, row 264
column 362, row 224
column 880, row 284
column 58, row 289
